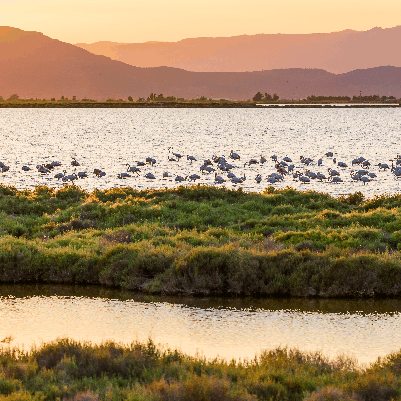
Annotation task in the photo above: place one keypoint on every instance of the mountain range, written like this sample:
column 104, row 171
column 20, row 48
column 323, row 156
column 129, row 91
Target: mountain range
column 34, row 65
column 336, row 52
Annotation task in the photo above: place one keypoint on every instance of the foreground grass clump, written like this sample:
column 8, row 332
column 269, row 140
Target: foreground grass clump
column 203, row 240
column 70, row 370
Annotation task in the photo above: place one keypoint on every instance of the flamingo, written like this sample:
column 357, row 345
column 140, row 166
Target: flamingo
column 235, row 156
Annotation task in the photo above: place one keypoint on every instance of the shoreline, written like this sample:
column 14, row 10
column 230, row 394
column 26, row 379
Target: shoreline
column 4, row 105
column 203, row 241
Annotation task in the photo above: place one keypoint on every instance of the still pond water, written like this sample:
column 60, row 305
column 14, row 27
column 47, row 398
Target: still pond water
column 230, row 328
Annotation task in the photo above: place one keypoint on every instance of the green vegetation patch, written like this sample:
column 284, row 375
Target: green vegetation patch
column 71, row 370
column 203, row 240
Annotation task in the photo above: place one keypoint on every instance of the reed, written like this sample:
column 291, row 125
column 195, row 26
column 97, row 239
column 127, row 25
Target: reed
column 69, row 370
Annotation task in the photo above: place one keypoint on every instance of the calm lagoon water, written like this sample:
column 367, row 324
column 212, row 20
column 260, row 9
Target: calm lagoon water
column 230, row 328
column 110, row 138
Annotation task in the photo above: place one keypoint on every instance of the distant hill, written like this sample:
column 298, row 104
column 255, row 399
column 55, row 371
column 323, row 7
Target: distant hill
column 34, row 65
column 336, row 52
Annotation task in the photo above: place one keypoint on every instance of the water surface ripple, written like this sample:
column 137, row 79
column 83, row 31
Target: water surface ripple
column 109, row 138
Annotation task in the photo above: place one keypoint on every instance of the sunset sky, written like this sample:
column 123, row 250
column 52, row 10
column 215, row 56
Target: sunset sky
column 171, row 20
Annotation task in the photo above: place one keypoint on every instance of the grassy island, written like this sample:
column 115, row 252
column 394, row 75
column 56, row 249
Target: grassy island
column 203, row 240
column 74, row 371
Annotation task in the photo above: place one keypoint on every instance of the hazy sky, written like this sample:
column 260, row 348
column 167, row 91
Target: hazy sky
column 171, row 20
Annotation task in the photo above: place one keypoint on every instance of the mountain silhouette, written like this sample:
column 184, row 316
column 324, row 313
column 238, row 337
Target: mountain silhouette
column 336, row 52
column 33, row 65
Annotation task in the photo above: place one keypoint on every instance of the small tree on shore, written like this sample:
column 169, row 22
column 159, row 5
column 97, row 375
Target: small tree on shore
column 130, row 99
column 275, row 97
column 13, row 97
column 258, row 97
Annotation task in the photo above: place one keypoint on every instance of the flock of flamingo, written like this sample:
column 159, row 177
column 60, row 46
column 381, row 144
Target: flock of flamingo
column 358, row 169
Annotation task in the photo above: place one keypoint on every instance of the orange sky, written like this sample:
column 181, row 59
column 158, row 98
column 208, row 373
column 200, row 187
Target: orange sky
column 171, row 20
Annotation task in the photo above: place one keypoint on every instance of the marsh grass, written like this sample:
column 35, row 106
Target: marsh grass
column 203, row 240
column 70, row 370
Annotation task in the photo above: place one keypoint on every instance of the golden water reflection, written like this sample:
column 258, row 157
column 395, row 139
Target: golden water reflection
column 230, row 328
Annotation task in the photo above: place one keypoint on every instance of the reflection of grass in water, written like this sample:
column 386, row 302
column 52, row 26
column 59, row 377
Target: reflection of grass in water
column 70, row 370
column 203, row 240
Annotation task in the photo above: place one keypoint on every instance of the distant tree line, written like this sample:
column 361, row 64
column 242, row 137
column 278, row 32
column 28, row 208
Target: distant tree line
column 370, row 98
column 373, row 98
column 259, row 97
column 160, row 98
column 314, row 98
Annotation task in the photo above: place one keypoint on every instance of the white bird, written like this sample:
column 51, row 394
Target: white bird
column 177, row 155
column 218, row 179
column 194, row 177
column 179, row 178
column 236, row 180
column 99, row 173
column 133, row 169
column 304, row 180
column 355, row 177
column 206, row 169
column 365, row 179
column 123, row 175
column 252, row 161
column 42, row 169
column 333, row 172
column 72, row 177
column 235, row 156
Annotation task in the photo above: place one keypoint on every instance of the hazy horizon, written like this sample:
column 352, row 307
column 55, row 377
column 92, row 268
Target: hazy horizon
column 134, row 21
column 234, row 36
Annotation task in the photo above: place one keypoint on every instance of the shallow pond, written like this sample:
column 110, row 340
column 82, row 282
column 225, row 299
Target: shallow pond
column 108, row 139
column 230, row 328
